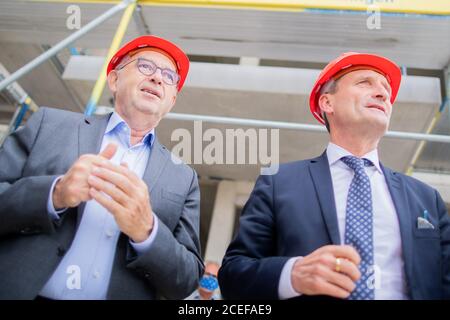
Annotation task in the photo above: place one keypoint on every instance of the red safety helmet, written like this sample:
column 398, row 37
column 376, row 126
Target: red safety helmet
column 349, row 60
column 181, row 59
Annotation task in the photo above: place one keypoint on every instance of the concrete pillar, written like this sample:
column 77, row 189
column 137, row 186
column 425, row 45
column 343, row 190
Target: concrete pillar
column 230, row 196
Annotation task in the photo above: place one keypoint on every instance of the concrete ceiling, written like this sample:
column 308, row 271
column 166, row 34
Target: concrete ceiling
column 314, row 36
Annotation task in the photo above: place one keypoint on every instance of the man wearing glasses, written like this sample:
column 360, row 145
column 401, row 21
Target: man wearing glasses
column 93, row 207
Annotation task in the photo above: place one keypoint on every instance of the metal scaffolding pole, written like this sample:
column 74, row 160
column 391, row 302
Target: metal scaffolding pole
column 297, row 126
column 429, row 7
column 64, row 43
column 433, row 123
column 17, row 92
column 23, row 110
column 101, row 81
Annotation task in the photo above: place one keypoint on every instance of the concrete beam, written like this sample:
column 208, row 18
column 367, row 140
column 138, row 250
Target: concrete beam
column 253, row 78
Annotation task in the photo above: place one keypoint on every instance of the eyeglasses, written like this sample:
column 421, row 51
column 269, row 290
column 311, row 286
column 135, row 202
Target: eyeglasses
column 148, row 68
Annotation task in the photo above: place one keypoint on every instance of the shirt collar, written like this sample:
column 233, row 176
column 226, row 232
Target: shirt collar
column 335, row 153
column 116, row 123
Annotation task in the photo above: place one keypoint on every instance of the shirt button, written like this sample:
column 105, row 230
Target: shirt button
column 109, row 233
column 96, row 275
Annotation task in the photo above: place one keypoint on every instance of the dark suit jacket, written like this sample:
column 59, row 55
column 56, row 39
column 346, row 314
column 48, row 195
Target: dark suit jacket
column 293, row 213
column 32, row 245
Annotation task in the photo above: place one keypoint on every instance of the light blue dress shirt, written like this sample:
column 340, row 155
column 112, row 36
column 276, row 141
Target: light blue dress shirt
column 85, row 270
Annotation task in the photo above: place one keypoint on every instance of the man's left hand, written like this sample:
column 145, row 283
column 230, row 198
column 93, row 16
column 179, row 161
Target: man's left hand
column 129, row 200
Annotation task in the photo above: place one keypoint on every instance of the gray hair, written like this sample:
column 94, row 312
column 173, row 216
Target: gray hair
column 329, row 87
column 123, row 61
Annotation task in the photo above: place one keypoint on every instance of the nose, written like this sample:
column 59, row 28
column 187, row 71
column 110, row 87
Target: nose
column 156, row 77
column 381, row 92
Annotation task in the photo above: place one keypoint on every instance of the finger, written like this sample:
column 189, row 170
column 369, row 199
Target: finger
column 118, row 179
column 323, row 271
column 332, row 290
column 121, row 170
column 342, row 251
column 338, row 279
column 109, row 204
column 350, row 269
column 109, row 151
column 109, row 189
column 347, row 267
column 125, row 165
column 86, row 161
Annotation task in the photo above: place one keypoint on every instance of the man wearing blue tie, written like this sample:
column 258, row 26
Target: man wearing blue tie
column 342, row 225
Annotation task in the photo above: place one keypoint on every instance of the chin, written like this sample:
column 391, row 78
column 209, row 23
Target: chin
column 150, row 109
column 380, row 126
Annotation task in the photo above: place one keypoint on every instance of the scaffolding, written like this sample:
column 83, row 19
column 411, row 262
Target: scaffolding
column 21, row 99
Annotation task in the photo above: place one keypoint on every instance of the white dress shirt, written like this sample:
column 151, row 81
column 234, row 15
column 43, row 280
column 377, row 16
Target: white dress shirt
column 91, row 255
column 390, row 278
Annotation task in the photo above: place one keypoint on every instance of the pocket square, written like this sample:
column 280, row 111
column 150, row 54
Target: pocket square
column 423, row 223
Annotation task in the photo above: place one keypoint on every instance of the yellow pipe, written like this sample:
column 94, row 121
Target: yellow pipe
column 101, row 81
column 31, row 104
column 431, row 7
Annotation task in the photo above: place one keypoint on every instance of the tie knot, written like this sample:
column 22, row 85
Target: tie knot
column 355, row 163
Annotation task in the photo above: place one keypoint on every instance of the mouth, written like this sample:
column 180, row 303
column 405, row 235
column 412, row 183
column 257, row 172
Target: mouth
column 377, row 107
column 150, row 92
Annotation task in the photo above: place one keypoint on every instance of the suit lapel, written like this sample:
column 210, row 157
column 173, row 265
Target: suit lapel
column 90, row 134
column 321, row 176
column 158, row 158
column 90, row 137
column 397, row 191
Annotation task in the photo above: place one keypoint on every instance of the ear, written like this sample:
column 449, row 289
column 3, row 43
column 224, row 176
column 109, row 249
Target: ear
column 112, row 81
column 325, row 103
column 174, row 99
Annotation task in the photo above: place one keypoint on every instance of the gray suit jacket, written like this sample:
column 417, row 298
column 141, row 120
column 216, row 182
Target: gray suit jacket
column 32, row 245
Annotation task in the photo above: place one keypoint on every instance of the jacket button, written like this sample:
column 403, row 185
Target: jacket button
column 147, row 275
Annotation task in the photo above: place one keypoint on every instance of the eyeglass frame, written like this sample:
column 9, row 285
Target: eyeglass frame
column 156, row 69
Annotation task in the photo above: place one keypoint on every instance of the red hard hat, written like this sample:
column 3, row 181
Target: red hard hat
column 352, row 59
column 172, row 50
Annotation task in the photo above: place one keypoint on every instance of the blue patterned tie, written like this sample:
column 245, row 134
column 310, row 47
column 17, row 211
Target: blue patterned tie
column 359, row 226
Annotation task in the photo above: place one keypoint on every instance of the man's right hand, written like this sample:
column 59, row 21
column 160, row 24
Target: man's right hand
column 316, row 274
column 73, row 187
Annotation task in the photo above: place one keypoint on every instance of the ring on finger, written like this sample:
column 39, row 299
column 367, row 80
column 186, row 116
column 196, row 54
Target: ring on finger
column 337, row 266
